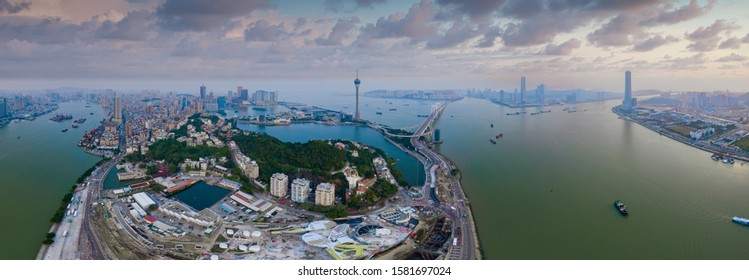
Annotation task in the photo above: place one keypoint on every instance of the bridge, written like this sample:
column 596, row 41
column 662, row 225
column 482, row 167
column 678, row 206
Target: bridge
column 422, row 129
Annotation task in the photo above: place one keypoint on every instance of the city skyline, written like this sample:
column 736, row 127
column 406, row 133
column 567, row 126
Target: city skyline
column 314, row 45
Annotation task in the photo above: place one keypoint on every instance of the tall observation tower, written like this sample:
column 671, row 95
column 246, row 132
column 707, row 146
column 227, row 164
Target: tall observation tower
column 357, row 82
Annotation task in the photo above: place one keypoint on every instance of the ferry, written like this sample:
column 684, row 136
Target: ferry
column 493, row 142
column 741, row 221
column 619, row 205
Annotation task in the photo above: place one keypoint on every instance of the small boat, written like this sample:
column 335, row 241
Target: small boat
column 90, row 113
column 422, row 116
column 728, row 160
column 498, row 135
column 619, row 205
column 547, row 111
column 535, row 113
column 493, row 142
column 393, row 109
column 716, row 157
column 492, row 125
column 741, row 221
column 379, row 113
column 65, row 130
column 75, row 126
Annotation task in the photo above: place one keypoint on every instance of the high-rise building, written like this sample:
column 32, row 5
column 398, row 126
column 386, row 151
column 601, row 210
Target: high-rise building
column 4, row 108
column 628, row 103
column 540, row 93
column 244, row 95
column 325, row 194
column 117, row 110
column 299, row 190
column 357, row 82
column 264, row 98
column 279, row 184
column 522, row 90
column 221, row 100
column 202, row 92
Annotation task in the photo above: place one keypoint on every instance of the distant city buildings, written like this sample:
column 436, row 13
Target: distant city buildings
column 279, row 184
column 300, row 190
column 325, row 194
column 265, row 98
column 202, row 92
column 117, row 118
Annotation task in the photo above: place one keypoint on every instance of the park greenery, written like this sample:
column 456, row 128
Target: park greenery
column 332, row 212
column 380, row 190
column 174, row 152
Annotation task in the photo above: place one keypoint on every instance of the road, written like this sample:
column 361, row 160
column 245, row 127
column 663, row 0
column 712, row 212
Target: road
column 462, row 226
column 93, row 249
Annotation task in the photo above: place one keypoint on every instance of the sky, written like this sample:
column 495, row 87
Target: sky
column 318, row 45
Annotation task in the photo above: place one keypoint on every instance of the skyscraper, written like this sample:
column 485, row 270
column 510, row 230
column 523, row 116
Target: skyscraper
column 117, row 110
column 522, row 89
column 202, row 92
column 540, row 93
column 357, row 82
column 4, row 108
column 627, row 103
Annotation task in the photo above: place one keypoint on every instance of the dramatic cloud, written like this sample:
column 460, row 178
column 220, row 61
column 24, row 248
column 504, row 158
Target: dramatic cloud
column 7, row 7
column 734, row 57
column 565, row 48
column 706, row 38
column 653, row 43
column 341, row 31
column 204, row 15
column 472, row 8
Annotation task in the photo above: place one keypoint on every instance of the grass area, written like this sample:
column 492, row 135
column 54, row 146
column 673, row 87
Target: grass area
column 221, row 238
column 743, row 143
column 683, row 130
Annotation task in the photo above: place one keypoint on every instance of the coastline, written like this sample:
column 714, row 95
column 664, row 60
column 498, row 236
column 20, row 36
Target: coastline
column 668, row 134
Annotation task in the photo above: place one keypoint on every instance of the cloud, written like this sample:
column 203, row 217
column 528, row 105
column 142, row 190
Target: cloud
column 341, row 31
column 730, row 43
column 263, row 31
column 687, row 12
column 7, row 7
column 204, row 15
column 745, row 39
column 136, row 26
column 490, row 36
column 337, row 6
column 706, row 38
column 416, row 25
column 459, row 32
column 653, row 43
column 565, row 48
column 686, row 63
column 617, row 31
column 733, row 57
column 43, row 30
column 472, row 8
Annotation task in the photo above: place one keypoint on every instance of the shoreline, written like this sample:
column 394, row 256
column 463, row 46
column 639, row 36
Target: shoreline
column 666, row 133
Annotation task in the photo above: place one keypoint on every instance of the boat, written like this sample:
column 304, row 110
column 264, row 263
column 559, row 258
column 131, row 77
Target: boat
column 422, row 116
column 619, row 205
column 65, row 130
column 492, row 125
column 535, row 113
column 75, row 126
column 571, row 111
column 547, row 111
column 728, row 160
column 259, row 109
column 379, row 113
column 393, row 109
column 741, row 221
column 81, row 120
column 513, row 114
column 498, row 135
column 91, row 113
column 716, row 157
column 493, row 142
